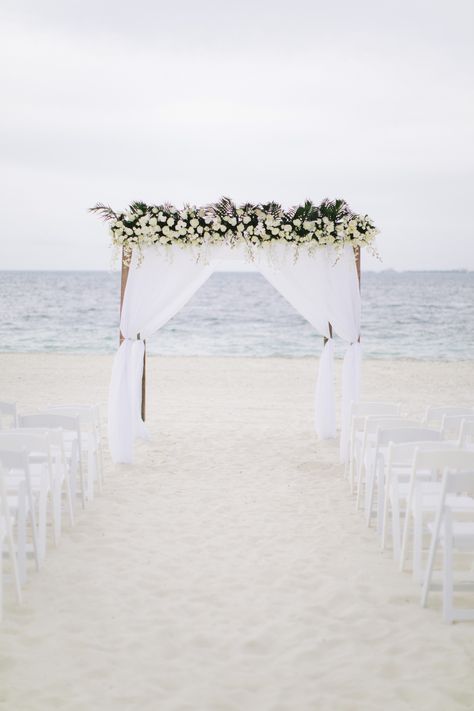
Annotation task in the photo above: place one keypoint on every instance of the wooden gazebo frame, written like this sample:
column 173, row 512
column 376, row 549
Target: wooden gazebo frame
column 123, row 284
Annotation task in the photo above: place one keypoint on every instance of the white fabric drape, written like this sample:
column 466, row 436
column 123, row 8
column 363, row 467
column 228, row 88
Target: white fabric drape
column 320, row 286
column 156, row 290
column 324, row 405
column 344, row 310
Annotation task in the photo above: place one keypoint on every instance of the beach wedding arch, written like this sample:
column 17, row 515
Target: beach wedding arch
column 310, row 254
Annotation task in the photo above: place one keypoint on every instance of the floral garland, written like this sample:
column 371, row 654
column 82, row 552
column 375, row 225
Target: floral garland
column 223, row 223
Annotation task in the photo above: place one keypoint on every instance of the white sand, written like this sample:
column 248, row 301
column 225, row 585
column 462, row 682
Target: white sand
column 228, row 569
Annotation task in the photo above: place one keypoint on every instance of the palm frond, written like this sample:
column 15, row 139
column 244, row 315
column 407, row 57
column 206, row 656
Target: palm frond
column 225, row 207
column 105, row 212
column 273, row 208
column 138, row 207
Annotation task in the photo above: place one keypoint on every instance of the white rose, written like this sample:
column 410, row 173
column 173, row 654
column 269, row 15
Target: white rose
column 297, row 222
column 240, row 227
column 194, row 222
column 170, row 221
column 246, row 220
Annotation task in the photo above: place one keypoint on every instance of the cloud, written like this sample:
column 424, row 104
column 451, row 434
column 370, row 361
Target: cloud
column 186, row 101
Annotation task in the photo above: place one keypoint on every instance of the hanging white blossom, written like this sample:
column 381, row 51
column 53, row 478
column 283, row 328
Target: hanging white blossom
column 306, row 226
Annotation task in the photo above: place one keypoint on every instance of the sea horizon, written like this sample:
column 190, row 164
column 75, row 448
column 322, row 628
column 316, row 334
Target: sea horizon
column 409, row 314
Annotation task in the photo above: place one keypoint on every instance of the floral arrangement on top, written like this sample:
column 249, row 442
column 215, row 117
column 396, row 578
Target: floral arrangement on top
column 329, row 223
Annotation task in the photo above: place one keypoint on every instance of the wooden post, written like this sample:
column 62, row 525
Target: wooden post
column 144, row 382
column 357, row 261
column 123, row 284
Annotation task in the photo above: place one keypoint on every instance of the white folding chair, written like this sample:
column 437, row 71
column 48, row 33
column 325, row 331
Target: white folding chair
column 89, row 418
column 8, row 415
column 21, row 503
column 41, row 475
column 453, row 533
column 424, row 489
column 367, row 452
column 72, row 439
column 466, row 434
column 376, row 481
column 62, row 479
column 6, row 535
column 434, row 413
column 400, row 457
column 451, row 426
column 359, row 411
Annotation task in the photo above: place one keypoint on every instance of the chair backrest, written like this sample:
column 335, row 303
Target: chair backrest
column 435, row 413
column 14, row 459
column 459, row 482
column 466, row 435
column 8, row 409
column 55, row 436
column 386, row 422
column 451, row 425
column 365, row 409
column 441, row 459
column 403, row 453
column 87, row 414
column 406, row 434
column 49, row 421
column 16, row 440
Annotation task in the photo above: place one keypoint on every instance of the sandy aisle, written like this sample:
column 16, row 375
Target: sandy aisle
column 228, row 570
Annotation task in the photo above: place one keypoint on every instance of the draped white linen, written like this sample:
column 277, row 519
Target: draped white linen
column 322, row 286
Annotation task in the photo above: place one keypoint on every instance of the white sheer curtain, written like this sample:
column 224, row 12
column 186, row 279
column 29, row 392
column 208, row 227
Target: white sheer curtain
column 343, row 295
column 156, row 290
column 320, row 286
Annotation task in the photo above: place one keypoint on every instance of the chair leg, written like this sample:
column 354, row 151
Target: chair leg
column 69, row 499
column 359, row 477
column 21, row 538
column 369, row 496
column 417, row 546
column 386, row 500
column 447, row 571
column 406, row 533
column 42, row 523
column 13, row 559
column 91, row 472
column 430, row 564
column 56, row 506
column 396, row 534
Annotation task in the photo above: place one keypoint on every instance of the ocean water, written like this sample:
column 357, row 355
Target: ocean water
column 420, row 315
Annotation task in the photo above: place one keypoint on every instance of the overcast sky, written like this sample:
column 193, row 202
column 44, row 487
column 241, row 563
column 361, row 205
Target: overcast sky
column 186, row 101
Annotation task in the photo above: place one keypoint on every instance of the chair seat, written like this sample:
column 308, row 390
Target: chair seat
column 429, row 487
column 463, row 534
